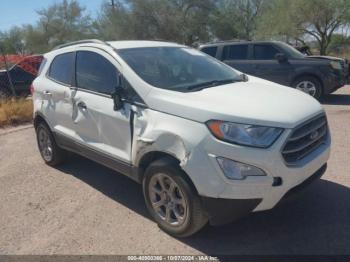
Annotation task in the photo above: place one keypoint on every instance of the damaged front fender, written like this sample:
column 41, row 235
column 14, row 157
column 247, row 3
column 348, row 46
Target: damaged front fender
column 162, row 142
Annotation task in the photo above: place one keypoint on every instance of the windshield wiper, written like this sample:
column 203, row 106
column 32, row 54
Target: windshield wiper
column 211, row 84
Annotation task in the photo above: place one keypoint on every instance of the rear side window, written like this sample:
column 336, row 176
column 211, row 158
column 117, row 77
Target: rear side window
column 265, row 52
column 210, row 50
column 95, row 73
column 61, row 69
column 235, row 52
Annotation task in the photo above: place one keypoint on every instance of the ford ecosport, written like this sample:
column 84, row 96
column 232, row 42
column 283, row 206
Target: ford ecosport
column 206, row 142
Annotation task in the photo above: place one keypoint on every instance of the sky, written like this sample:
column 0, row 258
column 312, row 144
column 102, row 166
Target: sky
column 18, row 12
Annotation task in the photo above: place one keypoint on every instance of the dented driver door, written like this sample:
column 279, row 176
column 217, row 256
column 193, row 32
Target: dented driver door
column 97, row 124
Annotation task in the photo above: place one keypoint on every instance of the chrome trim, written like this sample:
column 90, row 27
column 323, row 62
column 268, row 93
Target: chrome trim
column 320, row 140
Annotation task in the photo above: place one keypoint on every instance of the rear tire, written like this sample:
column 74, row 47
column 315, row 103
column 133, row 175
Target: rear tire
column 51, row 153
column 310, row 85
column 171, row 199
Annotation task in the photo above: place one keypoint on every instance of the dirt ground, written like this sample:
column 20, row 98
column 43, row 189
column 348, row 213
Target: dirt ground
column 85, row 208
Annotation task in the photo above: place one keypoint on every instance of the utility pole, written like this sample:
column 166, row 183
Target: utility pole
column 7, row 71
column 113, row 4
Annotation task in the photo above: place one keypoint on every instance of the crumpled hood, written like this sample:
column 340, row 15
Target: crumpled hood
column 256, row 101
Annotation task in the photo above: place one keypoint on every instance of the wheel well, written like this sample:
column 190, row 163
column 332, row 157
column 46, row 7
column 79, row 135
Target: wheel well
column 38, row 119
column 150, row 157
column 307, row 75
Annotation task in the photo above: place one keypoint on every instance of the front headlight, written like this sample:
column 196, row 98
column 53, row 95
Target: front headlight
column 249, row 135
column 336, row 65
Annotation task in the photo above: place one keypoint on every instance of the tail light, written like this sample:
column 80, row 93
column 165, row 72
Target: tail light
column 32, row 89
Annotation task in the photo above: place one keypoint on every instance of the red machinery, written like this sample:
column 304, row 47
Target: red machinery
column 29, row 64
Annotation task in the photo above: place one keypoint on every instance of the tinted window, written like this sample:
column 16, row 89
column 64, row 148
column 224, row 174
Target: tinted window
column 18, row 75
column 265, row 52
column 294, row 53
column 235, row 52
column 129, row 93
column 210, row 50
column 95, row 73
column 61, row 68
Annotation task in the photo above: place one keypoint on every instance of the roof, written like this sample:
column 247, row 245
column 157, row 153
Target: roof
column 139, row 43
column 235, row 42
column 107, row 45
column 116, row 44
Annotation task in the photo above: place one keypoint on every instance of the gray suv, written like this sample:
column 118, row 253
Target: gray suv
column 280, row 63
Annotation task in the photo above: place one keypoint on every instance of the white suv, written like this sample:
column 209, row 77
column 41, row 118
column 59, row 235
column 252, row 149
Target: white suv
column 207, row 142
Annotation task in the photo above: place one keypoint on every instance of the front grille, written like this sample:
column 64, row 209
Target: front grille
column 305, row 139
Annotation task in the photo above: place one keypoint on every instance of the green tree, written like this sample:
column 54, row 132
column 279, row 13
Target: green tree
column 114, row 21
column 236, row 19
column 59, row 23
column 305, row 19
column 12, row 41
column 183, row 21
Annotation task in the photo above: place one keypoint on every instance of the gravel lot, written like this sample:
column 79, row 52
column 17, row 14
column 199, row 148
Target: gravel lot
column 85, row 208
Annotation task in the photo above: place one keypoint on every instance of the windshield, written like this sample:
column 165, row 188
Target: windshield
column 177, row 68
column 292, row 52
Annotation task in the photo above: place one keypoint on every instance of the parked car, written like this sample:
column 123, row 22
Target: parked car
column 205, row 142
column 343, row 61
column 22, row 73
column 280, row 63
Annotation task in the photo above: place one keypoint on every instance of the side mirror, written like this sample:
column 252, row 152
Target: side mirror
column 243, row 78
column 116, row 96
column 117, row 100
column 281, row 57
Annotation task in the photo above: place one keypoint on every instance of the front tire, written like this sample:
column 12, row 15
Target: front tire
column 309, row 85
column 171, row 199
column 51, row 153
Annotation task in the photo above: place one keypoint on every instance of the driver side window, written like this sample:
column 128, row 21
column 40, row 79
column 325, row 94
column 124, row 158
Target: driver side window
column 265, row 52
column 95, row 73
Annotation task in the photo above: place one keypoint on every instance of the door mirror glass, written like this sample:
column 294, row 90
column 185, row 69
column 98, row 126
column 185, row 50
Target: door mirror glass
column 281, row 57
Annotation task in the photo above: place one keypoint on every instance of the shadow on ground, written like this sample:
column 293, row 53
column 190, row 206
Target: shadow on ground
column 336, row 99
column 318, row 222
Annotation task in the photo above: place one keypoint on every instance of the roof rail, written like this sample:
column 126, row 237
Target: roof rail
column 226, row 41
column 87, row 41
column 161, row 40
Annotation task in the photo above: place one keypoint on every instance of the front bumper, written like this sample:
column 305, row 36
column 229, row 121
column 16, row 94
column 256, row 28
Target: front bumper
column 297, row 189
column 210, row 182
column 334, row 81
column 224, row 211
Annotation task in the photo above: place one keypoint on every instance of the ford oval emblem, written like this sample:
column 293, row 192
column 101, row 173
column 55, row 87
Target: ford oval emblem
column 314, row 135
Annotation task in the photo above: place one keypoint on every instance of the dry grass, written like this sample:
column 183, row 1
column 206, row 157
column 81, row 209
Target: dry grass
column 15, row 111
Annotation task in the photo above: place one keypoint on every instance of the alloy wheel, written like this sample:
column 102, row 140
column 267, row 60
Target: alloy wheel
column 167, row 200
column 45, row 144
column 307, row 87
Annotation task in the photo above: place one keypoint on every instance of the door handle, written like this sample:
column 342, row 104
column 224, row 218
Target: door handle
column 47, row 94
column 66, row 96
column 82, row 106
